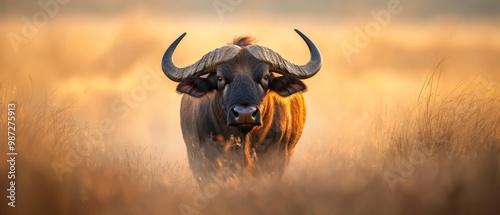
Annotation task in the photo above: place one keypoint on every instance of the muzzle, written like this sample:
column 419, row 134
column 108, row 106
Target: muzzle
column 244, row 117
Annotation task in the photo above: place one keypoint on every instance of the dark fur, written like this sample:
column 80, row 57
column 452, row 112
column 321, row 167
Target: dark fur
column 212, row 145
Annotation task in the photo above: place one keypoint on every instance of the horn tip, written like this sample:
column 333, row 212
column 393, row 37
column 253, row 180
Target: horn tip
column 182, row 35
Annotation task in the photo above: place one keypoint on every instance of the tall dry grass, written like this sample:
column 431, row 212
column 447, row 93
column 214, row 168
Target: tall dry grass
column 372, row 147
column 457, row 123
column 456, row 131
column 48, row 144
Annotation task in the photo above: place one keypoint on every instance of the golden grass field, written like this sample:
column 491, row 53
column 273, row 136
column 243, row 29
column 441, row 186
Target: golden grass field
column 410, row 126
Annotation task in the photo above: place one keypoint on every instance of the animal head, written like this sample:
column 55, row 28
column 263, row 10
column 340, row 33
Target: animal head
column 241, row 74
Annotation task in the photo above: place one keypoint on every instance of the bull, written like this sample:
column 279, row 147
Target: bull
column 242, row 108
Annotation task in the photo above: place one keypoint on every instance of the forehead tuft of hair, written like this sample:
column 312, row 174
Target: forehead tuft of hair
column 243, row 41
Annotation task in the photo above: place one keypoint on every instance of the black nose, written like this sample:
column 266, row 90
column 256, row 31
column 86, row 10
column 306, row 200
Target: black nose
column 243, row 116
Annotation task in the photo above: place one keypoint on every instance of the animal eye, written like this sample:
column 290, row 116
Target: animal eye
column 219, row 78
column 266, row 77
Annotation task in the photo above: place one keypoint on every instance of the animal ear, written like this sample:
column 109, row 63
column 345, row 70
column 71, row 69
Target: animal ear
column 287, row 84
column 195, row 86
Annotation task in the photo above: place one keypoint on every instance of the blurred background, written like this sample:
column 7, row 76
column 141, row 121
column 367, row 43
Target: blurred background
column 99, row 63
column 92, row 55
column 423, row 9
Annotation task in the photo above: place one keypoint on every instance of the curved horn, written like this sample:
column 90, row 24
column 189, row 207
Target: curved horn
column 281, row 65
column 206, row 64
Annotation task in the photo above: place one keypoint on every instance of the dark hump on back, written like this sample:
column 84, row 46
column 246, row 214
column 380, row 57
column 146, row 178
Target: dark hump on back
column 243, row 41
